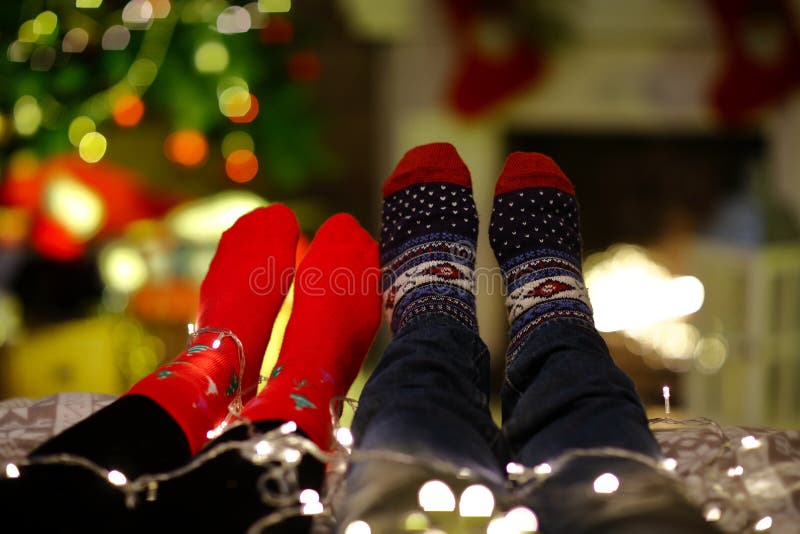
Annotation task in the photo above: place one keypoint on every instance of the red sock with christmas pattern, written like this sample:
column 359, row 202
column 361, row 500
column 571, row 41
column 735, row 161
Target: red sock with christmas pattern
column 335, row 315
column 241, row 294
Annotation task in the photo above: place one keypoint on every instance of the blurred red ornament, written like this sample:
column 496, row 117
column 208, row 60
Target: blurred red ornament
column 304, row 66
column 762, row 49
column 279, row 30
column 71, row 202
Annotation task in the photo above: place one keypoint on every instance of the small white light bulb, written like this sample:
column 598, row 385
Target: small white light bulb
column 606, row 483
column 117, row 478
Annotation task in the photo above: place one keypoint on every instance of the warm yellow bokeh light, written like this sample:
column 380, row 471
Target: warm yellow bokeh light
column 27, row 115
column 27, row 32
column 92, row 147
column 211, row 57
column 234, row 102
column 123, row 268
column 79, row 127
column 45, row 23
column 274, row 6
column 237, row 141
column 73, row 205
column 88, row 3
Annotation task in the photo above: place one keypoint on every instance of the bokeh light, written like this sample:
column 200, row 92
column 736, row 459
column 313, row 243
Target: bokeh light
column 251, row 113
column 92, row 147
column 358, row 527
column 274, row 6
column 27, row 115
column 233, row 19
column 45, row 23
column 606, row 483
column 122, row 267
column 436, row 496
column 19, row 52
column 88, row 3
column 211, row 57
column 241, row 166
column 186, row 147
column 27, row 32
column 116, row 37
column 237, row 140
column 128, row 110
column 75, row 41
column 161, row 8
column 43, row 58
column 79, row 127
column 74, row 206
column 476, row 501
column 137, row 13
column 235, row 101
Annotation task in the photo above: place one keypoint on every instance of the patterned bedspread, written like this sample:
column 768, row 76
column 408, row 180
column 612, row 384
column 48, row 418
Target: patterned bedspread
column 747, row 479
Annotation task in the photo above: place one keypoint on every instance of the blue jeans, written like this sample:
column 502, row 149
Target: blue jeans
column 427, row 399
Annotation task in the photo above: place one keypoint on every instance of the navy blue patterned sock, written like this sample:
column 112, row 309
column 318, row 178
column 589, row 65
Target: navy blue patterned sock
column 428, row 233
column 535, row 234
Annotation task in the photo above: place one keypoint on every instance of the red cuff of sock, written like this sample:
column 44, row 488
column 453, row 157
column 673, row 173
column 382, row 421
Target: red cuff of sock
column 530, row 169
column 434, row 162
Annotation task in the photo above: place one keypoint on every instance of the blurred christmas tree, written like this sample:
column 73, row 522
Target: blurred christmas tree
column 215, row 89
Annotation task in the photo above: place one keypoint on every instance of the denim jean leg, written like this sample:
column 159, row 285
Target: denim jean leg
column 563, row 391
column 427, row 398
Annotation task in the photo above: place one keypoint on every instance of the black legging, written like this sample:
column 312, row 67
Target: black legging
column 136, row 436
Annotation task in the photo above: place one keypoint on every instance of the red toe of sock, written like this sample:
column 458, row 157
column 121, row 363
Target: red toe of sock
column 434, row 162
column 531, row 169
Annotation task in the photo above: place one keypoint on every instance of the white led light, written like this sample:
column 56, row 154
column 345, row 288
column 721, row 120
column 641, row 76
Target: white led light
column 358, row 527
column 263, row 448
column 344, row 436
column 765, row 523
column 308, row 496
column 215, row 344
column 606, row 483
column 713, row 514
column 312, row 508
column 288, row 428
column 476, row 501
column 543, row 469
column 436, row 496
column 522, row 519
column 12, row 471
column 117, row 478
column 750, row 442
column 513, row 468
column 190, row 328
column 292, row 456
column 735, row 471
column 669, row 464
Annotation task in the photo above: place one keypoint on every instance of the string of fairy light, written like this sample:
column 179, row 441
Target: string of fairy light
column 279, row 452
column 48, row 37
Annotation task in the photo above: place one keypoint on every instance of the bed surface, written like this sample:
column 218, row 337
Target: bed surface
column 745, row 482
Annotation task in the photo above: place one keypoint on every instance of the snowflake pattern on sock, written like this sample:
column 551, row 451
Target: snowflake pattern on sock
column 428, row 236
column 535, row 235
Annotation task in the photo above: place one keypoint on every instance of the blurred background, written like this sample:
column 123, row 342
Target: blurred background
column 133, row 133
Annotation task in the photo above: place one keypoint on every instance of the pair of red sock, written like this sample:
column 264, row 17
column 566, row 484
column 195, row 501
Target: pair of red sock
column 334, row 318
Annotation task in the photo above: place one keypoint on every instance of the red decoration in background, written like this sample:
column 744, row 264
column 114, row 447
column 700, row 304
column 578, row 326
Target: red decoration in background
column 762, row 49
column 488, row 73
column 304, row 66
column 279, row 30
column 124, row 196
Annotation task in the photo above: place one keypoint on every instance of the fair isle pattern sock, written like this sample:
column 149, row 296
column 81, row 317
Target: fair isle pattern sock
column 534, row 231
column 428, row 235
